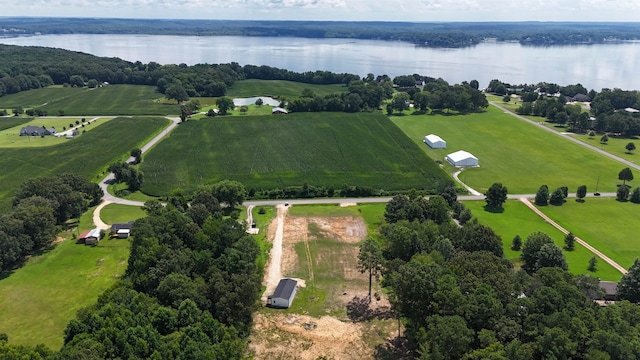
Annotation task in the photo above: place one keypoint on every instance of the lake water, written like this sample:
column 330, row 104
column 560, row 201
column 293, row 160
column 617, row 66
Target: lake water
column 594, row 66
column 252, row 100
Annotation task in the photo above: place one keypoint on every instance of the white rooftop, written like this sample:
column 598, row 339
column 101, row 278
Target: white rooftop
column 433, row 138
column 460, row 155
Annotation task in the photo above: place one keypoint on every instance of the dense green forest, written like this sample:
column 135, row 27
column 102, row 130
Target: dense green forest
column 434, row 34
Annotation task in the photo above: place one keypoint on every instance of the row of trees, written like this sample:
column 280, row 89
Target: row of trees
column 41, row 208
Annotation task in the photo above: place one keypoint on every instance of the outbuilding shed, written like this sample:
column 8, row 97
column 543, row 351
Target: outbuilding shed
column 284, row 294
column 93, row 237
column 435, row 141
column 462, row 158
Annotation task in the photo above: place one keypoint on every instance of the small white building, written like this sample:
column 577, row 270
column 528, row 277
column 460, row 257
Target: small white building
column 435, row 141
column 284, row 294
column 462, row 158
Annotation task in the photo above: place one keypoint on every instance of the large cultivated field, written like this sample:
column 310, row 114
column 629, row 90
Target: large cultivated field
column 89, row 154
column 107, row 100
column 518, row 154
column 263, row 152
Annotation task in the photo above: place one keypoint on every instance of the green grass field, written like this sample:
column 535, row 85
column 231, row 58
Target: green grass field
column 37, row 98
column 39, row 299
column 518, row 219
column 519, row 155
column 615, row 146
column 331, row 149
column 11, row 137
column 606, row 224
column 88, row 155
column 9, row 122
column 279, row 88
column 108, row 100
column 118, row 213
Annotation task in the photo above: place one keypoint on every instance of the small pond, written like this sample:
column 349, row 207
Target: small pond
column 252, row 100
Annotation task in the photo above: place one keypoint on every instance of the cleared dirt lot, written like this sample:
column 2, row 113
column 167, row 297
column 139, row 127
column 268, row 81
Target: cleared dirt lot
column 324, row 320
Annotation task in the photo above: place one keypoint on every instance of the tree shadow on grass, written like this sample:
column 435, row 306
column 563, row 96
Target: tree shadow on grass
column 580, row 200
column 358, row 309
column 493, row 209
column 394, row 349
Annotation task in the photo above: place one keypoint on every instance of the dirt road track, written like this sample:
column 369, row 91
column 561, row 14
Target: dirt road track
column 274, row 271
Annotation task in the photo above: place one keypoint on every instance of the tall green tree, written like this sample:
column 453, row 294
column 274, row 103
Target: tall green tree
column 230, row 192
column 542, row 196
column 531, row 250
column 635, row 196
column 581, row 192
column 570, row 242
column 496, row 195
column 629, row 285
column 630, row 147
column 176, row 92
column 557, row 197
column 400, row 101
column 625, row 175
column 370, row 259
column 224, row 105
column 622, row 193
column 137, row 155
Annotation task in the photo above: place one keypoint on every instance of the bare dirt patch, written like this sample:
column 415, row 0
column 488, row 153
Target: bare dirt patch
column 329, row 255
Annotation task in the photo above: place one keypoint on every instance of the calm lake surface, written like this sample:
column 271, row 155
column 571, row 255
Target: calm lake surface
column 594, row 66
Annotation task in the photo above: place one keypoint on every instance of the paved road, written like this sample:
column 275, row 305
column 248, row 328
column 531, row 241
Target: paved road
column 569, row 137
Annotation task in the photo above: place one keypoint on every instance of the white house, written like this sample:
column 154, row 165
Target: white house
column 283, row 296
column 435, row 141
column 462, row 158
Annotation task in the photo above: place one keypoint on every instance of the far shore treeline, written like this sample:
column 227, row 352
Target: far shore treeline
column 429, row 34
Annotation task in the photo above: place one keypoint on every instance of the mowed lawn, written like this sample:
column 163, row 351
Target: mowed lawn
column 264, row 152
column 89, row 154
column 107, row 100
column 279, row 88
column 518, row 219
column 118, row 213
column 608, row 225
column 11, row 137
column 519, row 155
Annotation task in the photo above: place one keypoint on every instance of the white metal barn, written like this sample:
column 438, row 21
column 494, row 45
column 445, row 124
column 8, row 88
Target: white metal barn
column 435, row 141
column 462, row 158
column 284, row 294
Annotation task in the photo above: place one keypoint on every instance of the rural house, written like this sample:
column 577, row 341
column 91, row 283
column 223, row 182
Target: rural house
column 610, row 290
column 284, row 294
column 435, row 141
column 121, row 231
column 36, row 131
column 462, row 158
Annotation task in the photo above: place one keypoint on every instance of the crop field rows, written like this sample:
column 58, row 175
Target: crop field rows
column 281, row 88
column 107, row 100
column 330, row 149
column 88, row 155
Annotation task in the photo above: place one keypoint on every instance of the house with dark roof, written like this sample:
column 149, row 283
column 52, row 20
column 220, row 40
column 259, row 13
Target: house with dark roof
column 610, row 290
column 283, row 295
column 581, row 98
column 36, row 131
column 122, row 230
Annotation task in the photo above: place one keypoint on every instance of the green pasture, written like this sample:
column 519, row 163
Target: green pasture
column 518, row 219
column 279, row 88
column 615, row 146
column 7, row 122
column 89, row 154
column 329, row 149
column 118, row 213
column 107, row 100
column 38, row 98
column 134, row 196
column 40, row 298
column 606, row 224
column 519, row 155
column 11, row 137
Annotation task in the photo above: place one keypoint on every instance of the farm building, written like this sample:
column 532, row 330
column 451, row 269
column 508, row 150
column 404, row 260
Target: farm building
column 284, row 294
column 279, row 110
column 121, row 231
column 435, row 141
column 609, row 289
column 36, row 131
column 462, row 158
column 91, row 237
